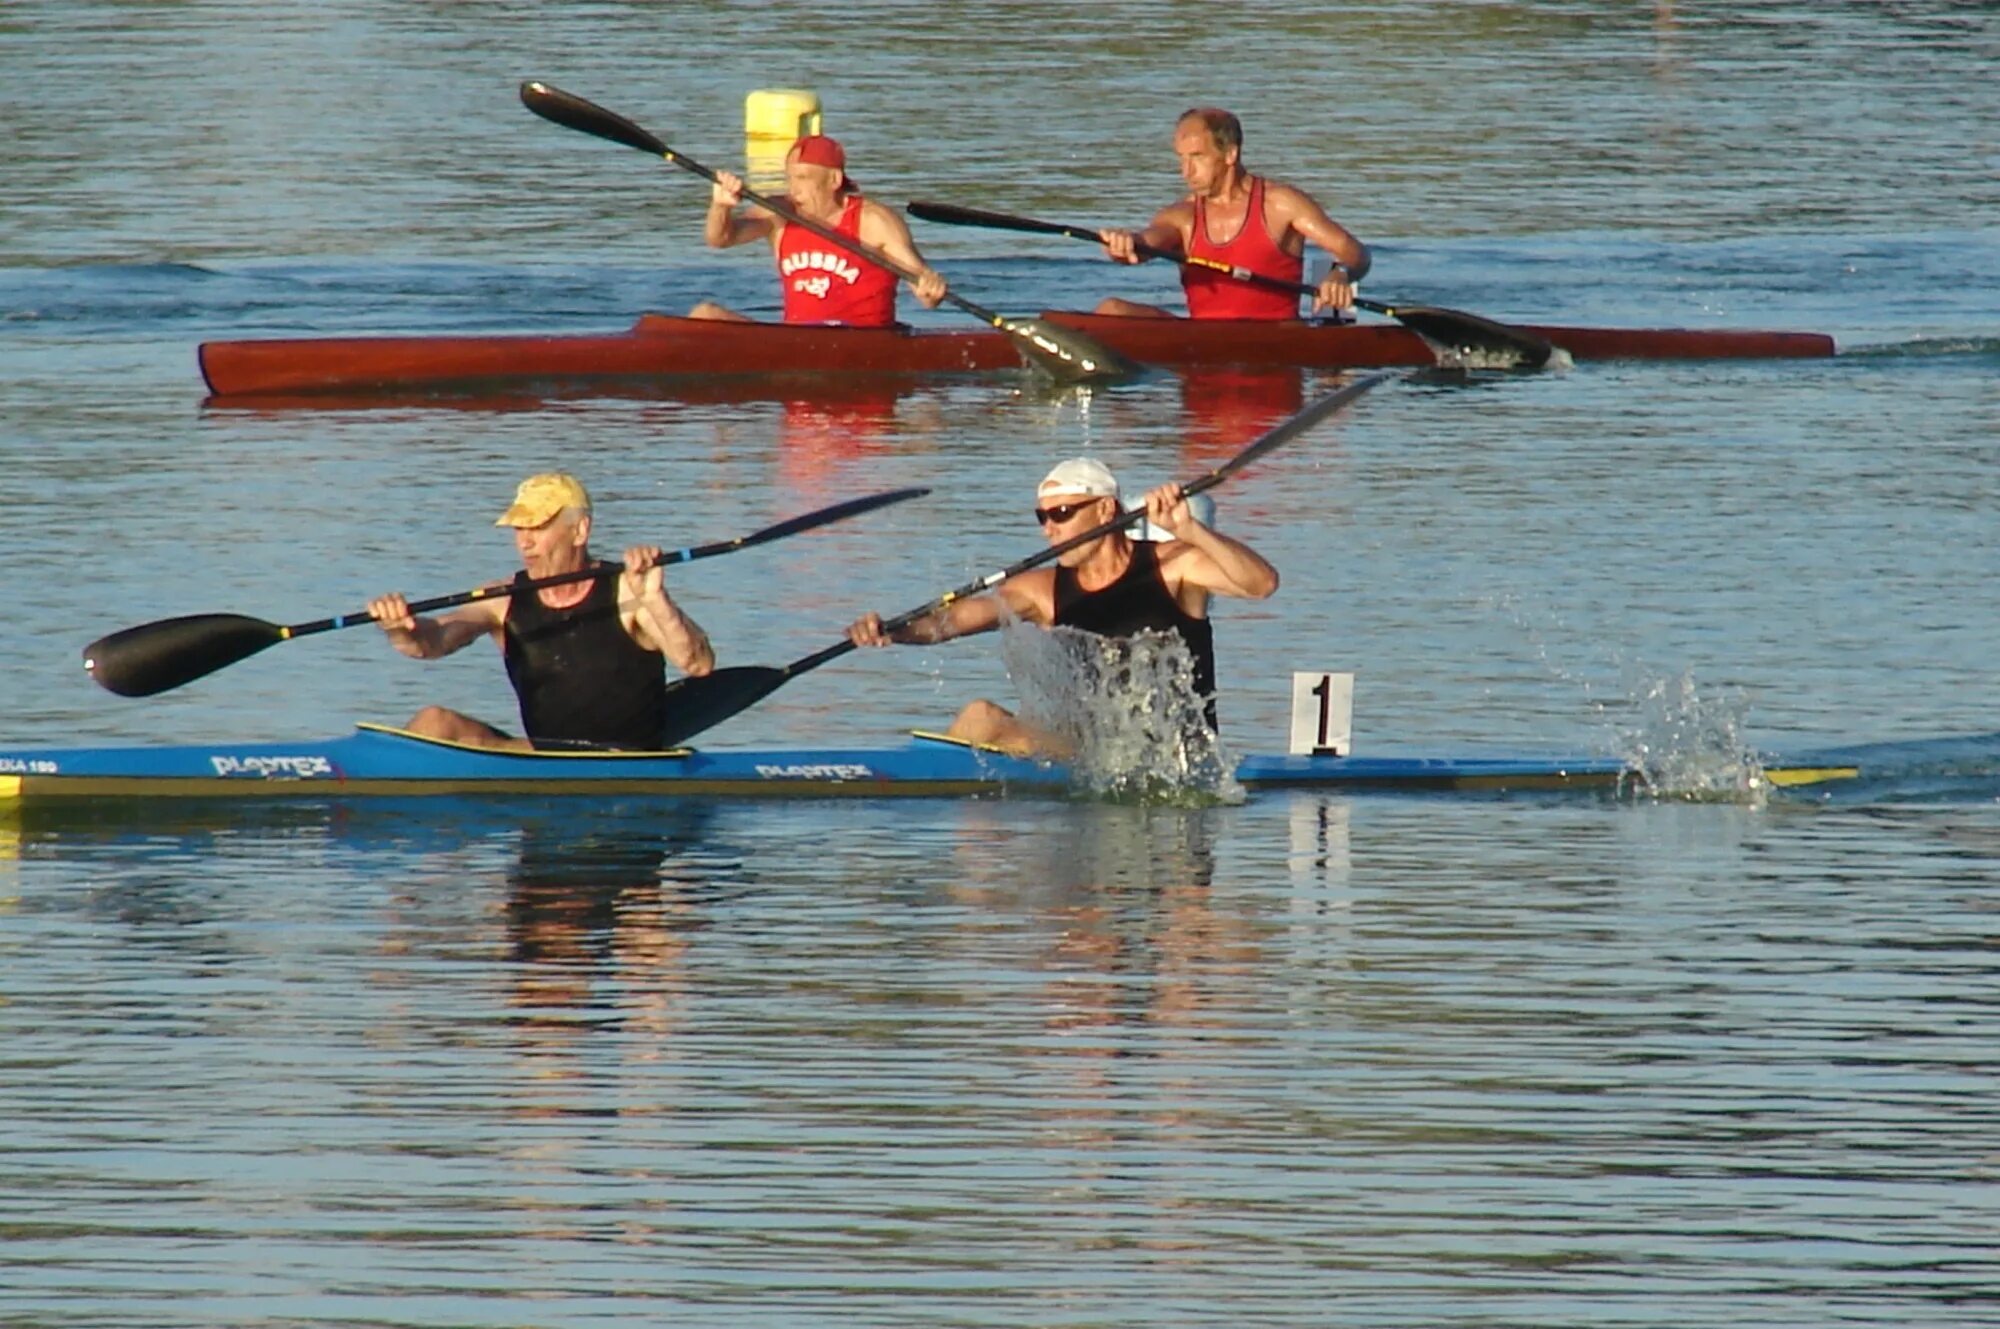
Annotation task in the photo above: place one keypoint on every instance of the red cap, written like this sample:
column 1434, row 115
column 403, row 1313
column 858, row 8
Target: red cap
column 819, row 150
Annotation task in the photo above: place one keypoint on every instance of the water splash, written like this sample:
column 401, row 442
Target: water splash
column 1682, row 745
column 1126, row 710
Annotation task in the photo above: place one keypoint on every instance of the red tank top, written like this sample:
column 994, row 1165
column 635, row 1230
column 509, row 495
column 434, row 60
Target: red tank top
column 825, row 283
column 1216, row 295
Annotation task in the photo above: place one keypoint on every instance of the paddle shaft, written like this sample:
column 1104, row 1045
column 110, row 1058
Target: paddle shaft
column 791, row 526
column 156, row 657
column 952, row 214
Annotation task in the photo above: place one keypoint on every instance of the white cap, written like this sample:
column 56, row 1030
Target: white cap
column 1085, row 476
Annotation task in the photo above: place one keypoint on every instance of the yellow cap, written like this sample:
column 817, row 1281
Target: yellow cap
column 541, row 497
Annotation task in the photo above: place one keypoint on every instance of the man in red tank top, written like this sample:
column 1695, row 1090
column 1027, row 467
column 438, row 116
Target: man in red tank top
column 823, row 282
column 1244, row 220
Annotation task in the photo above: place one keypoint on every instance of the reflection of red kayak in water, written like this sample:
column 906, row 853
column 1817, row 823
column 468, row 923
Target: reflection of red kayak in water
column 1226, row 406
column 820, row 434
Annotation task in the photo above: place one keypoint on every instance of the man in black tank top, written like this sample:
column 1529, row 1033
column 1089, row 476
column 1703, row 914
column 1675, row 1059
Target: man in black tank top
column 1114, row 586
column 587, row 659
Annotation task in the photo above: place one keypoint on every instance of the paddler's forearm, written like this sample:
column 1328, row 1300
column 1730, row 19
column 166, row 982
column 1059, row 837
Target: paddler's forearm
column 411, row 641
column 435, row 638
column 679, row 637
column 960, row 618
column 926, row 631
column 1163, row 236
column 1345, row 248
column 720, row 228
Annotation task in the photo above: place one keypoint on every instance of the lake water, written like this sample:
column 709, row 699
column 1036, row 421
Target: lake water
column 1369, row 1060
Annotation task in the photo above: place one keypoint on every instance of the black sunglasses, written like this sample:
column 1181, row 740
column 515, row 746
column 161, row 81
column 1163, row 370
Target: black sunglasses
column 1062, row 511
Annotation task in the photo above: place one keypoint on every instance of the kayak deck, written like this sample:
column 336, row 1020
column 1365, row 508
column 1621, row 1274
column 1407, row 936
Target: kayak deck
column 377, row 761
column 661, row 346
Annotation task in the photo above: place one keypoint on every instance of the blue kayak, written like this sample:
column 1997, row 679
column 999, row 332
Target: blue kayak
column 378, row 761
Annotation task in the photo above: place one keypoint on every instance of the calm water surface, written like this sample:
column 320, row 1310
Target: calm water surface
column 1314, row 1059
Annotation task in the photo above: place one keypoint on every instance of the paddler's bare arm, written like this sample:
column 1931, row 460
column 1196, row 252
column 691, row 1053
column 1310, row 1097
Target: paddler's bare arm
column 1210, row 560
column 653, row 619
column 1167, row 231
column 1024, row 596
column 431, row 638
column 885, row 230
column 724, row 227
column 1293, row 207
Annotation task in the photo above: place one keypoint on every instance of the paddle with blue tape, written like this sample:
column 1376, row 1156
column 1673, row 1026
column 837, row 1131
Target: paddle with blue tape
column 158, row 657
column 1065, row 355
column 696, row 704
column 1465, row 335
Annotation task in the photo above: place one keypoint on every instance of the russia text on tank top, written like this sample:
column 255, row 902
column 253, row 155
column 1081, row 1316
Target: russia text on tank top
column 825, row 283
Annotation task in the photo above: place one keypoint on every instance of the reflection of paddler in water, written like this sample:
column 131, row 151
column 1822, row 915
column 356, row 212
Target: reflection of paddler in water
column 590, row 906
column 1224, row 406
column 1129, row 936
column 830, row 427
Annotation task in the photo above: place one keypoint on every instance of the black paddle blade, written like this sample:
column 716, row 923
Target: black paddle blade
column 1474, row 342
column 573, row 112
column 157, row 657
column 1065, row 355
column 695, row 704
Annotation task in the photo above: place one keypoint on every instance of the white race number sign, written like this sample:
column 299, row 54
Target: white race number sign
column 1322, row 714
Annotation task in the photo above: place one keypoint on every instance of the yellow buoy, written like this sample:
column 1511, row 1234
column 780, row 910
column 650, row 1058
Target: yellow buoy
column 773, row 119
column 780, row 113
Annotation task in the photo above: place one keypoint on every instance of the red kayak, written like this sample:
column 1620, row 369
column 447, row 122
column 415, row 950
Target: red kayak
column 659, row 346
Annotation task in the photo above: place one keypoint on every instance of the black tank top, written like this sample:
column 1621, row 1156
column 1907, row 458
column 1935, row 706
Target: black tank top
column 580, row 677
column 1139, row 601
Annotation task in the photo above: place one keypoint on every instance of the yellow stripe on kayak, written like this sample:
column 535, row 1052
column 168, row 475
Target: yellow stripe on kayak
column 932, row 736
column 10, row 787
column 588, row 753
column 1786, row 777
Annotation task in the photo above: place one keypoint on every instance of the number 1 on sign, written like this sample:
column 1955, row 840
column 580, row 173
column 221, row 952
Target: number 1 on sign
column 1324, row 691
column 1322, row 713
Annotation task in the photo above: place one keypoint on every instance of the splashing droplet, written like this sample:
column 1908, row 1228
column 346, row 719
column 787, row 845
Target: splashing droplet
column 1126, row 710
